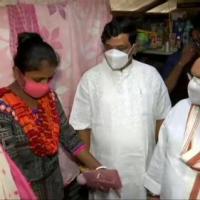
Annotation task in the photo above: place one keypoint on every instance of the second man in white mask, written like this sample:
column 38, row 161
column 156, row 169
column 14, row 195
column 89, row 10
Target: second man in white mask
column 174, row 169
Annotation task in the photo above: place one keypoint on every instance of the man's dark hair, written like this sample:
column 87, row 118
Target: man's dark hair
column 31, row 51
column 196, row 21
column 117, row 26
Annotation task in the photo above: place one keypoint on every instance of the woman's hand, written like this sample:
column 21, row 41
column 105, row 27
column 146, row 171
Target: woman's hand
column 102, row 179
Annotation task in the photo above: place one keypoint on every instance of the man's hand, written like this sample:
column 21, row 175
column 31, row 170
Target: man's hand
column 187, row 55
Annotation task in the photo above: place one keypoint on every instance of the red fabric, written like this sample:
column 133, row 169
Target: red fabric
column 3, row 91
column 41, row 126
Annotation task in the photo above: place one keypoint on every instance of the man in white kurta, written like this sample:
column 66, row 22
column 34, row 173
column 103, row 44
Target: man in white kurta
column 121, row 109
column 173, row 172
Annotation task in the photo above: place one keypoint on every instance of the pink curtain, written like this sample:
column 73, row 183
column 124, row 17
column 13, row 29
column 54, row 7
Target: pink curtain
column 5, row 54
column 73, row 28
column 21, row 18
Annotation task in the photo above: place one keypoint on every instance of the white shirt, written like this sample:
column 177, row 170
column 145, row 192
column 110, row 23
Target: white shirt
column 121, row 109
column 167, row 174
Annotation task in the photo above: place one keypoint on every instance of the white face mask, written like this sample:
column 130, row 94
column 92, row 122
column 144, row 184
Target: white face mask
column 194, row 90
column 116, row 59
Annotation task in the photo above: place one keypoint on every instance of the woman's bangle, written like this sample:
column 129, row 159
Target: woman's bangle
column 101, row 167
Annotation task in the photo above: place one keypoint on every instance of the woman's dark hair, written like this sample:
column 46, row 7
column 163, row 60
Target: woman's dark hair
column 117, row 26
column 31, row 51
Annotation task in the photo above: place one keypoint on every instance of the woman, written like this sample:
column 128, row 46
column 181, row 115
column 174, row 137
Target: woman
column 32, row 121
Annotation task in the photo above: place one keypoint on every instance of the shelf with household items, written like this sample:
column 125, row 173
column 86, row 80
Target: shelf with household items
column 161, row 37
column 159, row 51
column 165, row 34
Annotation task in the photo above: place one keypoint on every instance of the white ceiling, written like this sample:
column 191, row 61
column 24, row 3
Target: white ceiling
column 118, row 5
column 129, row 5
column 166, row 7
column 170, row 5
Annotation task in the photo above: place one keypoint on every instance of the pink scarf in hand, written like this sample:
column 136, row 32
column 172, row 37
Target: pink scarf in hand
column 14, row 184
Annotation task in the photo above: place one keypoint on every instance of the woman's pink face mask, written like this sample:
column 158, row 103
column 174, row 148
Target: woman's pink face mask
column 35, row 89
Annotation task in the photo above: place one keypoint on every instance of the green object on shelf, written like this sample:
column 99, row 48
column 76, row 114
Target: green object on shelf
column 143, row 39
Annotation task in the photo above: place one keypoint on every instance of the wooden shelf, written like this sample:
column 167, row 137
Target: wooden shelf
column 157, row 52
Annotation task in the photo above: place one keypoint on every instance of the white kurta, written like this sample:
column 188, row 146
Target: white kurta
column 121, row 109
column 167, row 174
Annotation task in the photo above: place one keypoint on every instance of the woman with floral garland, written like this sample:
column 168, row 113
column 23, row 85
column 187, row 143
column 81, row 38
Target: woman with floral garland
column 33, row 123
